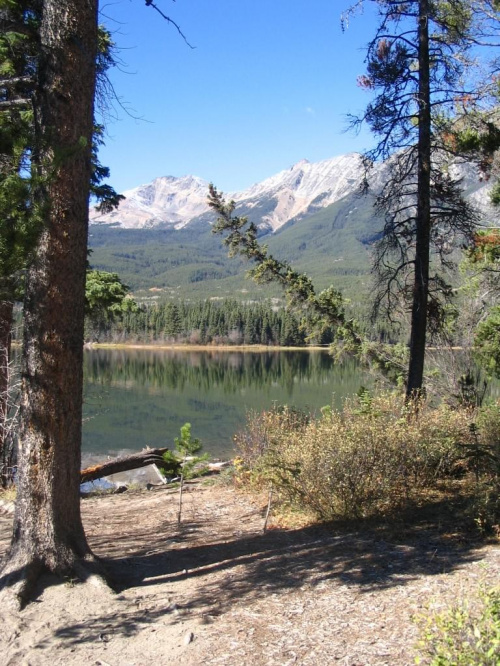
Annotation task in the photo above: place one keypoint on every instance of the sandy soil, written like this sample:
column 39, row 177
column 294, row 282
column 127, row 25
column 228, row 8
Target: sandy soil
column 217, row 590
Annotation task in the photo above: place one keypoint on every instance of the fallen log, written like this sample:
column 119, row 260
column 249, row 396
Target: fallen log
column 123, row 464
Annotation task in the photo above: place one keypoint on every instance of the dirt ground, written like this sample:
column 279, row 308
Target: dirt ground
column 217, row 590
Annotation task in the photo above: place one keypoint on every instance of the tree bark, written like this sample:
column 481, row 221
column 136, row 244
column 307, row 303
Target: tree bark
column 6, row 320
column 48, row 532
column 124, row 464
column 423, row 218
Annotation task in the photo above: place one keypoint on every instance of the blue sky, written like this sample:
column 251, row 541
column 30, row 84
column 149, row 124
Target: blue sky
column 269, row 83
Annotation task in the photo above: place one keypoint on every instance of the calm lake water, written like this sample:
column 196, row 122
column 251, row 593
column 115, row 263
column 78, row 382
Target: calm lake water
column 138, row 398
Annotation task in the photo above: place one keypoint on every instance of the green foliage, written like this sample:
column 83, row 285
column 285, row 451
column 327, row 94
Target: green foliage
column 455, row 18
column 366, row 459
column 188, row 448
column 487, row 342
column 21, row 192
column 106, row 292
column 185, row 444
column 326, row 307
column 462, row 635
column 20, row 219
column 495, row 194
column 171, row 466
column 20, row 225
column 207, row 322
column 184, row 461
column 107, row 197
column 106, row 299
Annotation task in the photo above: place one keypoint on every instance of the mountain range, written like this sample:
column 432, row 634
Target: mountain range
column 313, row 215
column 170, row 202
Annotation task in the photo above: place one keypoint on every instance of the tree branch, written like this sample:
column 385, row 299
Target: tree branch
column 150, row 3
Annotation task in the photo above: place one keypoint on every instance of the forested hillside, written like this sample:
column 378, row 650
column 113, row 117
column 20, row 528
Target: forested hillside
column 332, row 246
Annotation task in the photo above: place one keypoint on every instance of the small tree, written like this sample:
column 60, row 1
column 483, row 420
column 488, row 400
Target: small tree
column 186, row 455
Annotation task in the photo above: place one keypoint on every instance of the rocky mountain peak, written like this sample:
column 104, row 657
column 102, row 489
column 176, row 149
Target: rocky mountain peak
column 293, row 193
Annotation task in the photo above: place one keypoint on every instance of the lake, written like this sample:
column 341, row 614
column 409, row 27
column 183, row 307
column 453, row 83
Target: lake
column 138, row 398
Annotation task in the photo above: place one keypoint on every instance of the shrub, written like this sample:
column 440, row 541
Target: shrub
column 462, row 637
column 483, row 454
column 365, row 459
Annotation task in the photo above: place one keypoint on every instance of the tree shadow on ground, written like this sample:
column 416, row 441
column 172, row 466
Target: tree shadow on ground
column 421, row 540
column 225, row 567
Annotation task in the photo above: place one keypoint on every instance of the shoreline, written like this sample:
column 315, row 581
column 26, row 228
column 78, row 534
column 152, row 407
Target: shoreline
column 187, row 347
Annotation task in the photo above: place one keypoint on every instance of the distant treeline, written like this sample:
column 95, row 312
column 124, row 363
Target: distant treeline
column 219, row 322
column 210, row 322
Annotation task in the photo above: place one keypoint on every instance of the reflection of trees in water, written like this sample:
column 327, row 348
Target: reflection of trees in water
column 205, row 370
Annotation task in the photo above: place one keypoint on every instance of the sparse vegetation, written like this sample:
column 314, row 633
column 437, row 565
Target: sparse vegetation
column 464, row 634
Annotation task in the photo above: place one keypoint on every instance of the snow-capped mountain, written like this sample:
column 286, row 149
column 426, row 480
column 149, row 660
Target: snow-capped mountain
column 288, row 195
column 174, row 202
column 303, row 188
column 166, row 201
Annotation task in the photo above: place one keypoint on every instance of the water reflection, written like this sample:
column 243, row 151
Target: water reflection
column 142, row 397
column 203, row 370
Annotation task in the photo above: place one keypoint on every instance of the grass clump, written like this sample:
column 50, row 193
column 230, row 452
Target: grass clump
column 366, row 459
column 461, row 636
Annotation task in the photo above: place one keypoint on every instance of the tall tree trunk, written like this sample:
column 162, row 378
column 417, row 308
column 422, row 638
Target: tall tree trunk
column 48, row 531
column 6, row 320
column 423, row 221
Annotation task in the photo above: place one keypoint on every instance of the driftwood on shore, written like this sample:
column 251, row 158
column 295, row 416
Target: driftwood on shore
column 123, row 464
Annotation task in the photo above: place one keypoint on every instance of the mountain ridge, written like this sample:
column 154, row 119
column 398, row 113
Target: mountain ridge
column 293, row 193
column 171, row 202
column 312, row 215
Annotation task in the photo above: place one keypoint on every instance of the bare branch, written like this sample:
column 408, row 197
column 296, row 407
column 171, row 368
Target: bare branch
column 150, row 3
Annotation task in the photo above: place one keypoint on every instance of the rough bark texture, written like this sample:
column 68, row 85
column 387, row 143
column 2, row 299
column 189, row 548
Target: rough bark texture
column 6, row 319
column 48, row 532
column 124, row 464
column 423, row 218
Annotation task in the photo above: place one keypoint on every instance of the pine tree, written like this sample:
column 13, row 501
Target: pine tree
column 415, row 67
column 48, row 532
column 21, row 212
column 19, row 224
